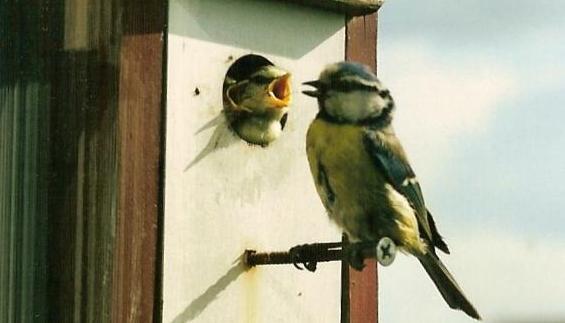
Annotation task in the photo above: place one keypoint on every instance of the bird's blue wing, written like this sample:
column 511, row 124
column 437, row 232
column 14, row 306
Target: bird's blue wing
column 388, row 155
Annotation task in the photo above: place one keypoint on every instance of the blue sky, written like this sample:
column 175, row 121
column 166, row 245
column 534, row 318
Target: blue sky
column 480, row 90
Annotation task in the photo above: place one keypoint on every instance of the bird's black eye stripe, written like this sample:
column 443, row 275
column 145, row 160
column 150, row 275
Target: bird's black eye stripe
column 261, row 79
column 384, row 94
column 348, row 86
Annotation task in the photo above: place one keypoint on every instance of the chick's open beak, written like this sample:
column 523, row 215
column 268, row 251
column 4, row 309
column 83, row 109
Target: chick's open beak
column 279, row 91
column 313, row 93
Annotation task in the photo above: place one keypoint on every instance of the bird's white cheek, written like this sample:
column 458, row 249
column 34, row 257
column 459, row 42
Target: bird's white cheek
column 345, row 106
column 354, row 106
column 377, row 103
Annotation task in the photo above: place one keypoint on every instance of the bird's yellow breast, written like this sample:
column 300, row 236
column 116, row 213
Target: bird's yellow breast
column 338, row 150
column 353, row 189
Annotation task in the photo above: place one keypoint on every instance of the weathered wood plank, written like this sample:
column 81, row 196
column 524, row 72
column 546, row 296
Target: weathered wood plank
column 360, row 288
column 349, row 7
column 137, row 262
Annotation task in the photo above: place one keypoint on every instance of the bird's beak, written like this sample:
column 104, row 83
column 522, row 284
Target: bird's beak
column 315, row 93
column 279, row 91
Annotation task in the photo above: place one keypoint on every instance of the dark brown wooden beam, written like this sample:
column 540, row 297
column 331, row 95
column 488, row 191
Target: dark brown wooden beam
column 360, row 288
column 361, row 40
column 137, row 277
column 348, row 7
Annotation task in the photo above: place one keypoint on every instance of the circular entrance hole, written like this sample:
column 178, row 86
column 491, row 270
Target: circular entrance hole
column 256, row 96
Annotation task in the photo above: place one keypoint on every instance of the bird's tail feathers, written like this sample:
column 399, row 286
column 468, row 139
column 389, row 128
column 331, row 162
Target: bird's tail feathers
column 447, row 285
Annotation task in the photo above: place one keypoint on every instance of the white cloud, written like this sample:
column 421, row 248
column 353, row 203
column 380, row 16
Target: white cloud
column 459, row 97
column 450, row 77
column 438, row 100
column 441, row 104
column 508, row 279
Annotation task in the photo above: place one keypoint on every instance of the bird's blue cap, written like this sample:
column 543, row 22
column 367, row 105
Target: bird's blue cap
column 354, row 69
column 336, row 73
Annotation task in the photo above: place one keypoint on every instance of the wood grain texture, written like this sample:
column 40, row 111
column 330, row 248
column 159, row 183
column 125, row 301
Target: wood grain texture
column 360, row 289
column 137, row 265
column 81, row 241
column 82, row 188
column 349, row 7
column 82, row 165
column 361, row 40
column 24, row 155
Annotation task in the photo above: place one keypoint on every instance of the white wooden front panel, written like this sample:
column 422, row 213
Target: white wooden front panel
column 243, row 196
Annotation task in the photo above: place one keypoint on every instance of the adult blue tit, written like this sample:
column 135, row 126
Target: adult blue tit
column 363, row 177
column 256, row 96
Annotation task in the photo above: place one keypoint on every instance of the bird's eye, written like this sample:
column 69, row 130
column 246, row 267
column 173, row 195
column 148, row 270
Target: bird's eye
column 260, row 79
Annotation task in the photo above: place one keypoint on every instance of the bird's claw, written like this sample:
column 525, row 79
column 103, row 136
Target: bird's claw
column 298, row 252
column 385, row 252
column 354, row 255
column 311, row 266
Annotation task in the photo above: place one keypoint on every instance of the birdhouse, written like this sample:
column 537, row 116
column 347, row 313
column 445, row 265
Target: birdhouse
column 224, row 192
column 154, row 168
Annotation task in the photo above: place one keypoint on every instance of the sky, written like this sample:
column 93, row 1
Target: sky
column 480, row 91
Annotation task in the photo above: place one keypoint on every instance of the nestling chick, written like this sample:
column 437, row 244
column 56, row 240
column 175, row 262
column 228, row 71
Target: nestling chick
column 363, row 177
column 256, row 96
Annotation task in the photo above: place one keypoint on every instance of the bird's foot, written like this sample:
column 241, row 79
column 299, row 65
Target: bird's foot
column 385, row 250
column 300, row 252
column 354, row 254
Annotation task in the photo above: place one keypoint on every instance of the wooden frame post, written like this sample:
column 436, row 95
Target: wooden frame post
column 360, row 289
column 137, row 273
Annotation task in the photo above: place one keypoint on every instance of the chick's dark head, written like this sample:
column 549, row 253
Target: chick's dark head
column 265, row 88
column 256, row 96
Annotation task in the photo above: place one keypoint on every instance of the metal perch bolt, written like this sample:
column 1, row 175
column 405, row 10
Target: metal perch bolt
column 311, row 254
